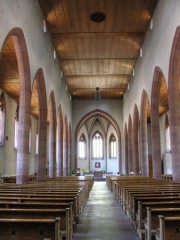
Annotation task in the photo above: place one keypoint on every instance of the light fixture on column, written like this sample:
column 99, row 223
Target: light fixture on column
column 151, row 24
column 128, row 86
column 133, row 72
column 55, row 55
column 140, row 53
column 70, row 97
column 44, row 26
column 97, row 94
column 124, row 96
column 61, row 74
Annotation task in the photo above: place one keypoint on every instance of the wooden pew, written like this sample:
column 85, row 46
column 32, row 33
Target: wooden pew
column 151, row 223
column 169, row 228
column 41, row 205
column 28, row 229
column 51, row 201
column 156, row 198
column 65, row 226
column 81, row 196
column 142, row 213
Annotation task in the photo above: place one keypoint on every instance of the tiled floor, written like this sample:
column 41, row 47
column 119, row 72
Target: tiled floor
column 103, row 218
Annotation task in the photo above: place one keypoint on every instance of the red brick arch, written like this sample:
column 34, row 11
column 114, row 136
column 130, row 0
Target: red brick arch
column 42, row 125
column 155, row 128
column 110, row 119
column 22, row 166
column 136, row 125
column 174, row 104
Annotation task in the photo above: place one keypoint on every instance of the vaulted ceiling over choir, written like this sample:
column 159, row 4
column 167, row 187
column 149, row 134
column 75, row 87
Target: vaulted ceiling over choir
column 93, row 53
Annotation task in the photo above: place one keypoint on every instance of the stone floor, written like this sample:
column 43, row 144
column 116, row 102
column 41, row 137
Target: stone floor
column 103, row 218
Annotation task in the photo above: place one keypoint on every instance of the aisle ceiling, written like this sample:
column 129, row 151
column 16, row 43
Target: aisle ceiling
column 97, row 54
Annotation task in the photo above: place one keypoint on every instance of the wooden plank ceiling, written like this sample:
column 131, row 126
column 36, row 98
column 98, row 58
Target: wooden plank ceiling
column 97, row 54
column 90, row 54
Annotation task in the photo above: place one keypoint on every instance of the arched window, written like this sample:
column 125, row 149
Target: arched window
column 2, row 118
column 82, row 147
column 112, row 146
column 16, row 128
column 167, row 132
column 97, row 146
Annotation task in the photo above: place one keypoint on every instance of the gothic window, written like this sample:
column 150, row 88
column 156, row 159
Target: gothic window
column 113, row 146
column 2, row 118
column 97, row 146
column 82, row 147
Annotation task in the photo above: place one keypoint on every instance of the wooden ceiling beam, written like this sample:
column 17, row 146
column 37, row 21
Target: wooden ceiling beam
column 94, row 59
column 97, row 34
column 89, row 88
column 97, row 75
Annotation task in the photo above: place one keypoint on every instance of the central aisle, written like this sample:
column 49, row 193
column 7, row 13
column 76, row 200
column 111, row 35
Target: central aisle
column 102, row 218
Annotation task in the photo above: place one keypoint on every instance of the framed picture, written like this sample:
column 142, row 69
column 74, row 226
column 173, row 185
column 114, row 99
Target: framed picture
column 97, row 164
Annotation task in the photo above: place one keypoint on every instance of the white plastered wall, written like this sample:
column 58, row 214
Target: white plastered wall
column 26, row 14
column 156, row 52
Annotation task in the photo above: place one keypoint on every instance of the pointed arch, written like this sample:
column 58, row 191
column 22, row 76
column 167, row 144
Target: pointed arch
column 174, row 104
column 111, row 120
column 52, row 135
column 59, row 159
column 158, row 78
column 136, row 126
column 42, row 124
column 19, row 42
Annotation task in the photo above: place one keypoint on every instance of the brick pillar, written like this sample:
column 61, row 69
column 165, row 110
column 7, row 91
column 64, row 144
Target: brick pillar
column 42, row 126
column 65, row 155
column 52, row 137
column 130, row 145
column 126, row 150
column 156, row 155
column 174, row 105
column 136, row 141
column 69, row 150
column 59, row 159
column 22, row 166
column 119, row 151
column 143, row 135
column 155, row 129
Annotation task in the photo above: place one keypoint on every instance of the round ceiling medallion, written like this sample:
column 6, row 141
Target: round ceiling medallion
column 98, row 17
